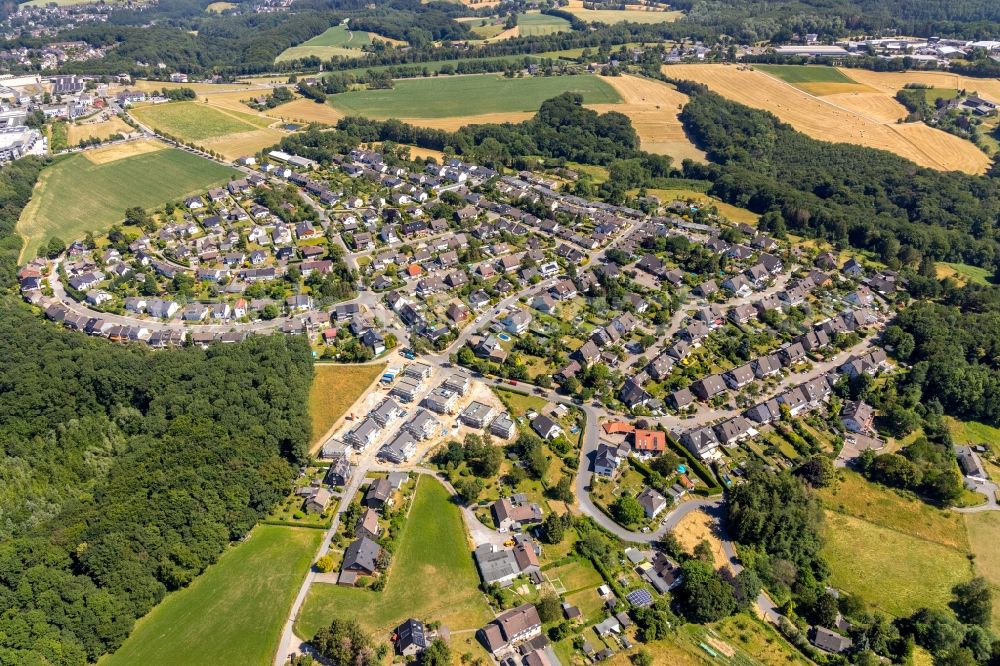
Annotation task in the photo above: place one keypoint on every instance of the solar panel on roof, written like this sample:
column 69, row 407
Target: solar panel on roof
column 640, row 598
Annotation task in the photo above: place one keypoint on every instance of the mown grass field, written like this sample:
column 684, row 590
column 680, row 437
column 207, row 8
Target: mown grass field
column 816, row 79
column 795, row 74
column 77, row 195
column 469, row 95
column 194, row 121
column 973, row 432
column 894, row 571
column 234, row 612
column 335, row 41
column 881, row 506
column 533, row 24
column 334, row 390
column 432, row 577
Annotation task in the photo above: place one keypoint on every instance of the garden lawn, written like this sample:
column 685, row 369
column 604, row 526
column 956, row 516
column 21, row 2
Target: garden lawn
column 895, row 572
column 192, row 121
column 519, row 404
column 75, row 195
column 334, row 389
column 577, row 575
column 234, row 612
column 857, row 497
column 446, row 97
column 432, row 577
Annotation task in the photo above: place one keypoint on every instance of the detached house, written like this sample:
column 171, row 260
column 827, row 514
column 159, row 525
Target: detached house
column 857, row 416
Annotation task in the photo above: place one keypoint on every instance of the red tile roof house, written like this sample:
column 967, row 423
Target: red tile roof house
column 649, row 443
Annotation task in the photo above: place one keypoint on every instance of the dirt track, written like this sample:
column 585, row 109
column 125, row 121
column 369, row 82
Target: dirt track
column 863, row 119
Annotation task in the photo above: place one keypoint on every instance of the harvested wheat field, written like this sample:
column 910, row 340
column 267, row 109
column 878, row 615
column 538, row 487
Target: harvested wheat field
column 457, row 122
column 99, row 130
column 875, row 105
column 308, row 111
column 233, row 146
column 200, row 88
column 120, row 151
column 829, row 121
column 653, row 107
column 892, row 82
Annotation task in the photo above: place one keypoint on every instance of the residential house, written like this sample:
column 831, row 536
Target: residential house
column 510, row 628
column 361, row 557
column 503, row 426
column 680, row 398
column 378, row 495
column 477, row 414
column 651, row 502
column 609, row 457
column 545, row 427
column 515, row 512
column 857, row 416
column 517, row 322
column 649, row 443
column 735, row 430
column 409, row 638
column 400, row 449
column 364, row 434
column 703, row 443
column 708, row 387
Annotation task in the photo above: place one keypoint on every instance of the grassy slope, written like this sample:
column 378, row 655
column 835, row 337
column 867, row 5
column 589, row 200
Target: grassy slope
column 806, row 74
column 231, row 614
column 339, row 35
column 334, row 390
column 894, row 571
column 432, row 577
column 335, row 41
column 469, row 95
column 855, row 496
column 968, row 273
column 192, row 121
column 77, row 195
column 984, row 535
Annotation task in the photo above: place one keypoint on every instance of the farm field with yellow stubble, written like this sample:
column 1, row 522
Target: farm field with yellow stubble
column 866, row 116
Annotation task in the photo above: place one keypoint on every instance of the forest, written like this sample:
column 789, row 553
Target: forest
column 127, row 471
column 850, row 195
